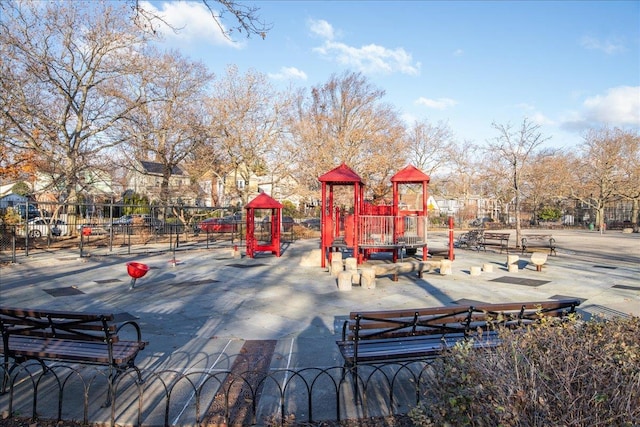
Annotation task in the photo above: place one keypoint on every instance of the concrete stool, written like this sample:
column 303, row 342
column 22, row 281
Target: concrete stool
column 513, row 268
column 487, row 268
column 475, row 270
column 351, row 264
column 512, row 259
column 344, row 280
column 445, row 267
column 336, row 267
column 336, row 256
column 368, row 278
column 538, row 259
column 355, row 277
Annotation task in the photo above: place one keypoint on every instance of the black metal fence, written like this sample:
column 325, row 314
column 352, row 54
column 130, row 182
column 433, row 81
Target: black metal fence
column 213, row 397
column 19, row 240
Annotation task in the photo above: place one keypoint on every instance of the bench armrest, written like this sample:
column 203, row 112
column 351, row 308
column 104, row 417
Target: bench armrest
column 344, row 330
column 135, row 326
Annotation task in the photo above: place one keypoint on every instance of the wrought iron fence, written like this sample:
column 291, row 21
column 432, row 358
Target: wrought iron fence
column 213, row 397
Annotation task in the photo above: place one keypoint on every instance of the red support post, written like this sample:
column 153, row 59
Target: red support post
column 451, row 254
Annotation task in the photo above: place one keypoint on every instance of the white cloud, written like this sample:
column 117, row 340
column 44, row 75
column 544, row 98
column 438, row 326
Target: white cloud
column 607, row 46
column 321, row 28
column 437, row 104
column 191, row 22
column 619, row 106
column 289, row 73
column 540, row 119
column 535, row 115
column 369, row 59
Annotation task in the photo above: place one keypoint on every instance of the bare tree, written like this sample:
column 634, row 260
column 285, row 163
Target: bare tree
column 601, row 169
column 548, row 179
column 514, row 150
column 430, row 147
column 62, row 80
column 170, row 125
column 630, row 164
column 459, row 182
column 344, row 120
column 245, row 125
column 245, row 18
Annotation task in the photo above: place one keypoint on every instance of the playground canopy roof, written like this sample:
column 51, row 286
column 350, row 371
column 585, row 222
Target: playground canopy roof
column 264, row 201
column 342, row 174
column 410, row 174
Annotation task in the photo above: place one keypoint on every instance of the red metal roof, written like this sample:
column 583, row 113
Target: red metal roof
column 341, row 174
column 264, row 201
column 410, row 174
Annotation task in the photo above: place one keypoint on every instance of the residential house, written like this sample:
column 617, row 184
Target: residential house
column 146, row 179
column 281, row 188
column 11, row 200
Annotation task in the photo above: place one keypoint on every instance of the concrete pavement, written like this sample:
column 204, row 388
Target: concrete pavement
column 199, row 313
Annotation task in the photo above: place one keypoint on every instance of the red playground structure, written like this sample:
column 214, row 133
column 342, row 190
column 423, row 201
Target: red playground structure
column 348, row 223
column 263, row 202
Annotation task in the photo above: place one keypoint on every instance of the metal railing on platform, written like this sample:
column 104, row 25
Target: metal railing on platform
column 392, row 231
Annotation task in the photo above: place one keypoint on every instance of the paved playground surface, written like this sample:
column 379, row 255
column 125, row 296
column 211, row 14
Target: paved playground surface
column 199, row 309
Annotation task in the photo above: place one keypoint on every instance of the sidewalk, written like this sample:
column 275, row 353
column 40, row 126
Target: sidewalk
column 198, row 314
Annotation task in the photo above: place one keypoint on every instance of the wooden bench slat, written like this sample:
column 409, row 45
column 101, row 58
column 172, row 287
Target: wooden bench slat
column 56, row 314
column 410, row 312
column 55, row 349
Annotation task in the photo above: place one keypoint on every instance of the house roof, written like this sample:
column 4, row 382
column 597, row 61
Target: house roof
column 343, row 174
column 410, row 174
column 155, row 168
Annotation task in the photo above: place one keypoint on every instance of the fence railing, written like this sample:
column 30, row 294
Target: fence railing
column 213, row 397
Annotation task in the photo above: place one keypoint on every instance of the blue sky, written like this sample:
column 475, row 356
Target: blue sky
column 566, row 65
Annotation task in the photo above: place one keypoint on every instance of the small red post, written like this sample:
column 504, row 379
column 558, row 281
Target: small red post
column 451, row 255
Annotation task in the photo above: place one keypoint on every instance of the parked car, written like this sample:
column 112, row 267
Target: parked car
column 311, row 223
column 133, row 221
column 227, row 224
column 123, row 220
column 286, row 224
column 38, row 227
column 479, row 222
column 96, row 229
